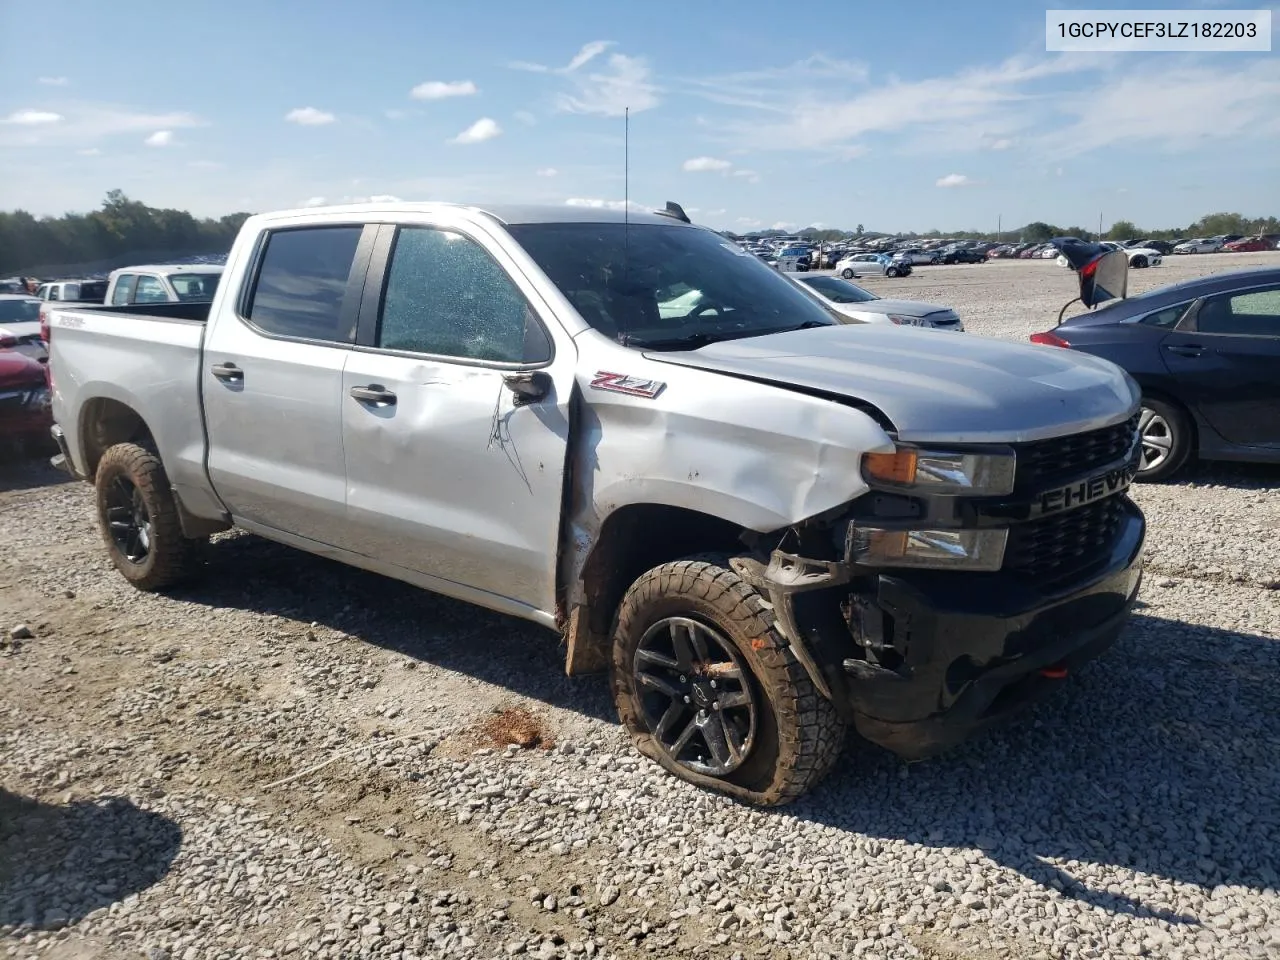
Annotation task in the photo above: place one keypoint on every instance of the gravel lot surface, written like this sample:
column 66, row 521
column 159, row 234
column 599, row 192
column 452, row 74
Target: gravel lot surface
column 294, row 758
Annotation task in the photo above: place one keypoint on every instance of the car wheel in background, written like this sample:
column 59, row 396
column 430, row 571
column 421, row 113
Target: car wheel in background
column 891, row 272
column 847, row 273
column 1165, row 435
column 1138, row 262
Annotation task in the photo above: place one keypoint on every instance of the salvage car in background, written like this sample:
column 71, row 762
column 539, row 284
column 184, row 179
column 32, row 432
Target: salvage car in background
column 25, row 414
column 880, row 264
column 20, row 325
column 1202, row 245
column 1206, row 353
column 850, row 300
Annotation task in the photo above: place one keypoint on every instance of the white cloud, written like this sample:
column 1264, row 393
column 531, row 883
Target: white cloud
column 548, row 172
column 324, row 201
column 33, row 118
column 749, row 223
column 589, row 51
column 394, row 114
column 483, row 129
column 623, row 85
column 443, row 89
column 525, row 117
column 55, row 81
column 717, row 213
column 309, row 117
column 205, row 165
column 749, row 175
column 313, row 202
column 597, row 204
column 1001, row 143
column 90, row 152
column 384, row 198
column 83, row 124
column 705, row 164
column 783, row 225
column 161, row 138
column 955, row 180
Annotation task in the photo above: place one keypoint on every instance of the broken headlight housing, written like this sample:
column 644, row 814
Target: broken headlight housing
column 950, row 548
column 925, row 471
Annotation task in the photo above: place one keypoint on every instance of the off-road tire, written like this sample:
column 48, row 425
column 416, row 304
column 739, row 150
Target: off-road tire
column 800, row 736
column 171, row 557
column 1182, row 433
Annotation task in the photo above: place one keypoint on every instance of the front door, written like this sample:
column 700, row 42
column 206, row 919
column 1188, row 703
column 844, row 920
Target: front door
column 1229, row 364
column 272, row 381
column 447, row 474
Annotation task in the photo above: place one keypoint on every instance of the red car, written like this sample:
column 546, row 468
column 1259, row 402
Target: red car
column 1249, row 245
column 25, row 414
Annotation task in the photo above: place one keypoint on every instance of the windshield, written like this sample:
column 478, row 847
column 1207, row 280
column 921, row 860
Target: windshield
column 839, row 291
column 194, row 286
column 650, row 285
column 19, row 311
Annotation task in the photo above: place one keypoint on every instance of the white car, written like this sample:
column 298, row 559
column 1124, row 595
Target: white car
column 880, row 264
column 1139, row 257
column 916, row 255
column 1203, row 245
column 850, row 300
column 20, row 324
column 163, row 283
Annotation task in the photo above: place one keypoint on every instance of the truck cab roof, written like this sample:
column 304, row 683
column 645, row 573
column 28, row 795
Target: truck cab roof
column 506, row 214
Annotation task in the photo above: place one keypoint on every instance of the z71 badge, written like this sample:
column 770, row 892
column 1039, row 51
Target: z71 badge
column 631, row 386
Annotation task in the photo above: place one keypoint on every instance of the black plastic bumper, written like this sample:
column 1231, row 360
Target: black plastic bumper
column 63, row 459
column 976, row 647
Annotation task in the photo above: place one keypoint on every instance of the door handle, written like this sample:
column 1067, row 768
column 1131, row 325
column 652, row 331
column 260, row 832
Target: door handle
column 1185, row 349
column 374, row 393
column 227, row 372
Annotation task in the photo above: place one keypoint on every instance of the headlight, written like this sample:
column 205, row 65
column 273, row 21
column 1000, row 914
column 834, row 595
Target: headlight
column 967, row 549
column 907, row 321
column 941, row 471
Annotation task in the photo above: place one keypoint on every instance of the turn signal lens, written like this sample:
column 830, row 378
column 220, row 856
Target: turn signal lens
column 896, row 467
column 1049, row 339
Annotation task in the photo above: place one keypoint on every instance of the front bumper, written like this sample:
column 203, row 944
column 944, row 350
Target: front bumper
column 977, row 647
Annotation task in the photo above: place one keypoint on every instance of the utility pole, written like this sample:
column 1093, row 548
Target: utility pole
column 999, row 225
column 1099, row 224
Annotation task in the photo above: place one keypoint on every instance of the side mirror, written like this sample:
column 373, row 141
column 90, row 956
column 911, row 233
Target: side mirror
column 528, row 387
column 1103, row 272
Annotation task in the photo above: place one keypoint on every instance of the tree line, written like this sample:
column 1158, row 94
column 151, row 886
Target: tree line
column 122, row 229
column 1038, row 231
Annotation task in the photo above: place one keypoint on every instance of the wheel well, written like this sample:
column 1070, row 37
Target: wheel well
column 104, row 423
column 633, row 539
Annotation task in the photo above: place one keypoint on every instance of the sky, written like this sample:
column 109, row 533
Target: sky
column 897, row 116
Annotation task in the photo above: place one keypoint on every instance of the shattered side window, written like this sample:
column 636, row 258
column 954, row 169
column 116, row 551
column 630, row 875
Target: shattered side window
column 446, row 296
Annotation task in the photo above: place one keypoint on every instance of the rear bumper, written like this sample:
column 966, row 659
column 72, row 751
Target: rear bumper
column 977, row 648
column 63, row 459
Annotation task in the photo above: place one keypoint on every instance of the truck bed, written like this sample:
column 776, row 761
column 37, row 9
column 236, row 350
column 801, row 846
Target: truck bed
column 145, row 357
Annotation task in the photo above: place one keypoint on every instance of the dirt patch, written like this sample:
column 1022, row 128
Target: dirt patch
column 504, row 727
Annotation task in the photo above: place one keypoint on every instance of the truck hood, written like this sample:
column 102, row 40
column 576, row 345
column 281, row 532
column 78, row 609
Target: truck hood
column 934, row 388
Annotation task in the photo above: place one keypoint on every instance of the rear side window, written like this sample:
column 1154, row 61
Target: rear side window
column 150, row 290
column 302, row 280
column 71, row 291
column 1168, row 317
column 446, row 296
column 123, row 292
column 95, row 291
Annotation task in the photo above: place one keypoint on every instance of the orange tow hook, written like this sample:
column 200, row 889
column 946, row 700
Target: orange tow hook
column 1054, row 673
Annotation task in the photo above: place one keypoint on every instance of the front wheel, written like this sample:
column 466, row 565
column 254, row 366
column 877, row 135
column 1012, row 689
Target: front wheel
column 1138, row 262
column 139, row 519
column 847, row 273
column 709, row 689
column 1165, row 432
column 891, row 272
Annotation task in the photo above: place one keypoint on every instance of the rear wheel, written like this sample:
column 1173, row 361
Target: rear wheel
column 139, row 519
column 891, row 272
column 1165, row 431
column 709, row 689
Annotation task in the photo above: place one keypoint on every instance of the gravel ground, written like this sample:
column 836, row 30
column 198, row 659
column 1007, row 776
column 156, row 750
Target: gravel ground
column 297, row 758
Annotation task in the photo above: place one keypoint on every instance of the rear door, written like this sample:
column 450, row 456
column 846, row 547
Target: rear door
column 1226, row 356
column 272, row 380
column 447, row 474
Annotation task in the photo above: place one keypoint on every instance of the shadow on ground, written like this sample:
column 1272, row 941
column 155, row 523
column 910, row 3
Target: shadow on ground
column 20, row 471
column 60, row 863
column 1162, row 757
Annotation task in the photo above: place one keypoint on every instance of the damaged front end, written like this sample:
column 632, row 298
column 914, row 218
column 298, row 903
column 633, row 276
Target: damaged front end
column 962, row 586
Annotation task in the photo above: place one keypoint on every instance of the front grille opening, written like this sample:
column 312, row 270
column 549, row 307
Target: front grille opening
column 1058, row 546
column 1041, row 462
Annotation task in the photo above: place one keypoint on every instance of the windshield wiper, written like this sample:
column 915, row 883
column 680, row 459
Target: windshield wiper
column 690, row 341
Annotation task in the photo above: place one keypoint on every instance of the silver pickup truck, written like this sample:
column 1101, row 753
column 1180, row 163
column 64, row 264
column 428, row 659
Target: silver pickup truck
column 768, row 525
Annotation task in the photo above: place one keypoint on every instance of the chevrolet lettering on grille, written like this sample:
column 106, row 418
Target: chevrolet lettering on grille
column 1087, row 491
